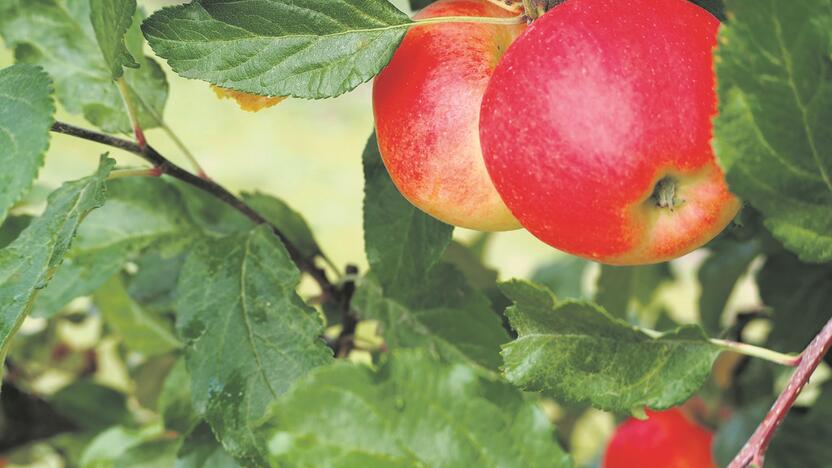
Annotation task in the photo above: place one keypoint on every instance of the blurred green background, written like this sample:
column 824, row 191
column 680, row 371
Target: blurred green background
column 309, row 154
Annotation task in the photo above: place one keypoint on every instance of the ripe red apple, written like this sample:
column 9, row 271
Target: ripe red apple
column 596, row 130
column 667, row 439
column 427, row 104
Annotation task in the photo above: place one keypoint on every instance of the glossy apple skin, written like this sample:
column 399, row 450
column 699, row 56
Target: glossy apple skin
column 667, row 439
column 427, row 103
column 589, row 109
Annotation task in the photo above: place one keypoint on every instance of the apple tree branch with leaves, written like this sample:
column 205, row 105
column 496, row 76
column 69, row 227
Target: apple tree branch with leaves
column 625, row 133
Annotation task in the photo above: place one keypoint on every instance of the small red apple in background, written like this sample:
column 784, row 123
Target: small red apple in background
column 427, row 104
column 667, row 439
column 596, row 130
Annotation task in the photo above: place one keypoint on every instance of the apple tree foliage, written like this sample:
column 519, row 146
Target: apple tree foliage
column 196, row 301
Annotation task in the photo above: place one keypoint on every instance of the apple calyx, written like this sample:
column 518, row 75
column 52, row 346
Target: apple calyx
column 664, row 195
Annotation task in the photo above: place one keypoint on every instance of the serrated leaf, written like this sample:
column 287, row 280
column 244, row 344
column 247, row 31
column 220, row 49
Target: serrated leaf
column 625, row 291
column 26, row 115
column 301, row 48
column 67, row 48
column 800, row 295
column 200, row 449
column 28, row 263
column 110, row 19
column 579, row 352
column 444, row 314
column 728, row 261
column 772, row 135
column 248, row 334
column 139, row 212
column 402, row 242
column 140, row 331
column 289, row 221
column 415, row 411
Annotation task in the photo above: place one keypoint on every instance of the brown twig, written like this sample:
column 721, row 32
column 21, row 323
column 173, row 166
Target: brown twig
column 148, row 153
column 349, row 321
column 753, row 453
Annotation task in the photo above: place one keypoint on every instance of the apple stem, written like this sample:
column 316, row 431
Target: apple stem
column 753, row 453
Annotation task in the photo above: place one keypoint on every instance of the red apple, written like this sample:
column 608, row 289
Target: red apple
column 427, row 104
column 596, row 130
column 667, row 439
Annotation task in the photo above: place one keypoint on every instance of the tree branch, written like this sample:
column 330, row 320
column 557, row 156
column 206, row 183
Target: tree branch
column 165, row 166
column 753, row 453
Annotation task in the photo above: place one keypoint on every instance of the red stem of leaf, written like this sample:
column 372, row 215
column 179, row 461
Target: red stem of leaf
column 754, row 450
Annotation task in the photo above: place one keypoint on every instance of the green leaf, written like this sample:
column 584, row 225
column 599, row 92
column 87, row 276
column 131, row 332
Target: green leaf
column 211, row 215
column 91, row 406
column 306, row 49
column 154, row 284
column 175, row 400
column 152, row 454
column 579, row 352
column 626, row 291
column 289, row 221
column 26, row 115
column 248, row 334
column 110, row 19
column 467, row 262
column 201, row 450
column 414, row 411
column 141, row 332
column 772, row 134
column 402, row 243
column 801, row 440
column 28, row 263
column 110, row 445
column 564, row 276
column 139, row 212
column 58, row 35
column 728, row 261
column 444, row 314
column 800, row 295
column 12, row 227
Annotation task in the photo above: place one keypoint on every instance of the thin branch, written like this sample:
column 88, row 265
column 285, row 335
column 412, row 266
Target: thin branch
column 165, row 166
column 171, row 134
column 753, row 453
column 349, row 321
